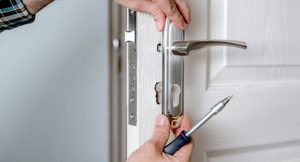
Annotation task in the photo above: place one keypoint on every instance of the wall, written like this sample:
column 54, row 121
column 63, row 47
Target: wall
column 54, row 86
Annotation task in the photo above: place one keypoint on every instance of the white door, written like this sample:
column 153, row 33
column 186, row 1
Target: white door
column 262, row 121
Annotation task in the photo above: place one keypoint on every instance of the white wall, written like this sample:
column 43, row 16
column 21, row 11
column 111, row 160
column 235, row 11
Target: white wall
column 54, row 86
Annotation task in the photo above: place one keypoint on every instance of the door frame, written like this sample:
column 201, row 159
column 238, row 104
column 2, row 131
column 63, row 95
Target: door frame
column 117, row 150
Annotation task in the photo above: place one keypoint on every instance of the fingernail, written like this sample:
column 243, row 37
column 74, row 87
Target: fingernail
column 182, row 26
column 158, row 26
column 162, row 120
column 189, row 20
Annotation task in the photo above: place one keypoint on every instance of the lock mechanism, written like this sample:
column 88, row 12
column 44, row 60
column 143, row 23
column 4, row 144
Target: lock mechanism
column 174, row 48
column 131, row 72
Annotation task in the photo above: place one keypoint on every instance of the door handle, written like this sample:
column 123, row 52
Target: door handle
column 174, row 48
column 184, row 48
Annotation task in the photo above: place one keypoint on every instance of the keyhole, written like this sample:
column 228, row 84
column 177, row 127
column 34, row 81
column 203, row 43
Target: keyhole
column 176, row 90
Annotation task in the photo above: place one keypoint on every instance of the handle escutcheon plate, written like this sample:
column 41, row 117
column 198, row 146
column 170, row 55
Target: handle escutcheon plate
column 173, row 76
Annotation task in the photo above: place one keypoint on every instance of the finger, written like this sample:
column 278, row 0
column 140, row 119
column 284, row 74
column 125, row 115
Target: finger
column 159, row 19
column 184, row 10
column 169, row 8
column 161, row 132
column 185, row 152
column 185, row 125
column 148, row 7
column 136, row 5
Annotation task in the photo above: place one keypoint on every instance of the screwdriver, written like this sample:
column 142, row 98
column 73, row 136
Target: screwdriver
column 185, row 137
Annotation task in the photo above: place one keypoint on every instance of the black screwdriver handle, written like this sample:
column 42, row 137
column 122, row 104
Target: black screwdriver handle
column 177, row 143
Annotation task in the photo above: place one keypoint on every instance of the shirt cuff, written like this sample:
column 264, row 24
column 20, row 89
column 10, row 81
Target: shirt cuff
column 13, row 13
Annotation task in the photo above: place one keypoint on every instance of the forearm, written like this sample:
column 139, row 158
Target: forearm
column 14, row 13
column 35, row 6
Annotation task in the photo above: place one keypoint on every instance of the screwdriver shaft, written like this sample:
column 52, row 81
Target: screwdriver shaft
column 214, row 111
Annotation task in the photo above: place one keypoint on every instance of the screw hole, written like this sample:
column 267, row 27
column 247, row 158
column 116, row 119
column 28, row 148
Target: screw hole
column 159, row 47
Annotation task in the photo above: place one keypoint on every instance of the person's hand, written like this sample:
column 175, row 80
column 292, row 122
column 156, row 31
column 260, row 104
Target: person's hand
column 176, row 10
column 151, row 151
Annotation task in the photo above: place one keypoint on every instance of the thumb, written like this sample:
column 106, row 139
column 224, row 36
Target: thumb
column 161, row 132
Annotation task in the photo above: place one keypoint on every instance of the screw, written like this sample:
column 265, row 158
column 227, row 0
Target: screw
column 131, row 116
column 131, row 12
column 132, row 66
column 131, row 100
column 133, row 90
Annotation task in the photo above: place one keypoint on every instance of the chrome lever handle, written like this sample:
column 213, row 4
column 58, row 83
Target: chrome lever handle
column 184, row 48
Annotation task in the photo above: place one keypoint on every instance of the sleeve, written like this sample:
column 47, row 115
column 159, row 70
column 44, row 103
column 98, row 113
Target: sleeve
column 13, row 13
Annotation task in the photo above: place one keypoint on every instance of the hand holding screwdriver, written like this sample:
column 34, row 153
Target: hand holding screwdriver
column 151, row 150
column 175, row 151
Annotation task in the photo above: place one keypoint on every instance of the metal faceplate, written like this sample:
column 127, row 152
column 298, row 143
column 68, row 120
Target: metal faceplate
column 130, row 38
column 173, row 74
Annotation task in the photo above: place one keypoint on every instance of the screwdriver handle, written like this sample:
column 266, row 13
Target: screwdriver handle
column 177, row 143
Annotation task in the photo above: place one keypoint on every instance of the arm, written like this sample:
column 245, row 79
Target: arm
column 35, row 6
column 14, row 13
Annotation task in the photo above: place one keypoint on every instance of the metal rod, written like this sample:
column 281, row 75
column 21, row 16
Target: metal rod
column 214, row 111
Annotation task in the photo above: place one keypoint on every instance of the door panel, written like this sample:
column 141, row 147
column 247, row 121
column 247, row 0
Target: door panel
column 270, row 31
column 277, row 152
column 261, row 122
